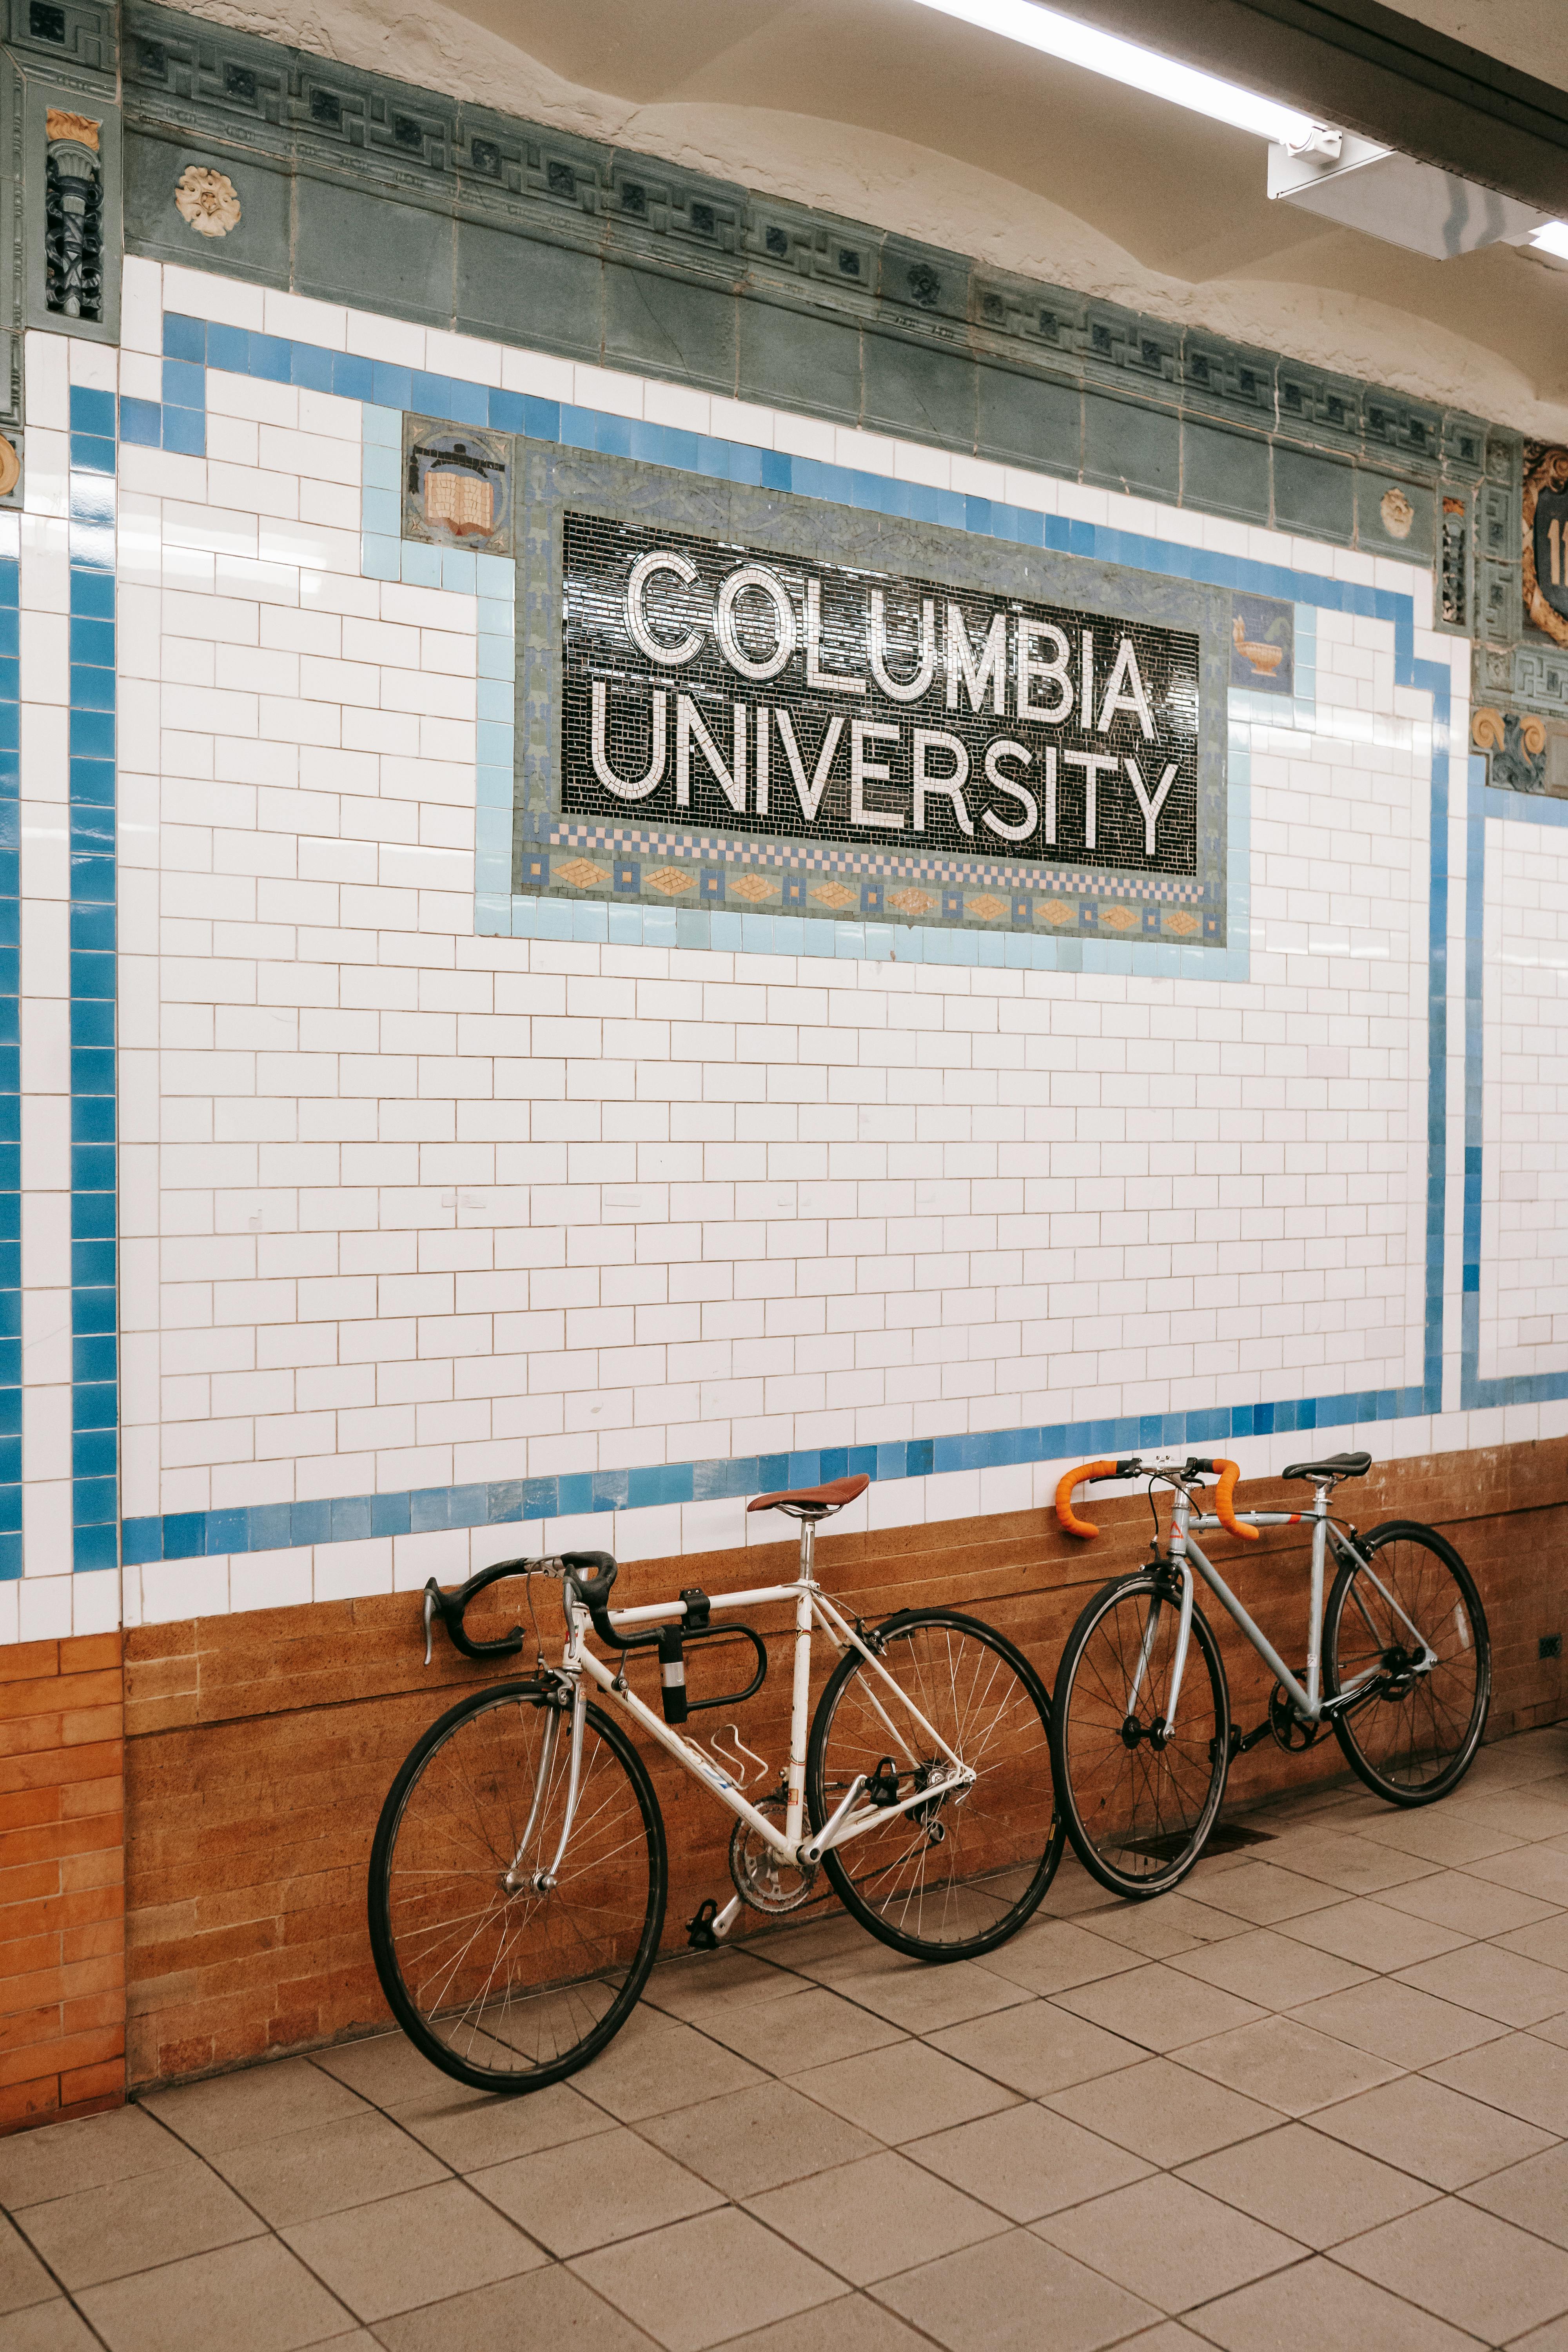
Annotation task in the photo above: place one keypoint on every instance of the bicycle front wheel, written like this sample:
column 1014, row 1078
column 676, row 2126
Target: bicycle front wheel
column 1140, row 1791
column 500, row 1981
column 956, row 1876
column 1414, row 1737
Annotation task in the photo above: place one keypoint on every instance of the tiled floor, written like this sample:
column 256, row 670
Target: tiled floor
column 1320, row 2096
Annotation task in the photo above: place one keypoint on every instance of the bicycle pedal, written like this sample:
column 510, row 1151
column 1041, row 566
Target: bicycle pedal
column 700, row 1933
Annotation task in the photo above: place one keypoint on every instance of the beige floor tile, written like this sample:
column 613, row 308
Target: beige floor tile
column 256, row 2104
column 1264, row 1892
column 469, row 2128
column 129, row 2225
column 1270, row 1969
column 1038, row 2048
column 388, row 2069
column 701, row 2281
column 1028, row 2161
column 871, row 2219
column 692, row 1987
column 1313, row 2188
column 1168, row 2242
column 1438, row 1833
column 851, row 2324
column 1285, row 2064
column 1428, row 2129
column 327, row 2167
column 1501, row 1985
column 1552, row 2029
column 1534, row 2194
column 1467, row 2266
column 1553, row 2337
column 64, row 2157
column 1164, row 2111
column 1396, row 2022
column 810, row 2028
column 905, row 2092
column 1546, row 1941
column 54, row 2326
column 1169, row 2336
column 1373, row 1934
column 1541, row 1871
column 417, row 2248
column 914, row 1997
column 1522, row 2074
column 1051, row 1954
column 1480, row 1901
column 1321, row 2305
column 1522, row 1813
column 1170, row 1922
column 623, row 2188
column 1073, row 1894
column 23, row 2278
column 1512, row 1763
column 815, row 1942
column 1015, row 2295
column 254, row 2297
column 1159, row 2008
column 655, row 2065
column 546, row 2311
column 757, row 2139
column 1340, row 1858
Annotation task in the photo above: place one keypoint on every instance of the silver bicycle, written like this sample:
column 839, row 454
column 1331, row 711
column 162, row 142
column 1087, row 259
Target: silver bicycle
column 519, row 1874
column 1398, row 1665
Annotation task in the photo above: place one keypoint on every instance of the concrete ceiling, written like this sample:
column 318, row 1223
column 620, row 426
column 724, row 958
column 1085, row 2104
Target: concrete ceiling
column 888, row 111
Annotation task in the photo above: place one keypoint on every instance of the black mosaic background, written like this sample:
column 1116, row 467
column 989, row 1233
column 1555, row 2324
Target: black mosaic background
column 598, row 553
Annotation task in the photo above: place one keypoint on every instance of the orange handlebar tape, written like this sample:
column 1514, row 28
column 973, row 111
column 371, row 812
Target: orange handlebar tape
column 1225, row 1502
column 1075, row 1526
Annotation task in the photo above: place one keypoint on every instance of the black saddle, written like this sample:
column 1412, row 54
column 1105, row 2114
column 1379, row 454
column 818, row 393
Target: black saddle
column 1333, row 1465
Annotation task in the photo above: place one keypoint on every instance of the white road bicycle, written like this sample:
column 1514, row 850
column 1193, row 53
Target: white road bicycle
column 1399, row 1665
column 520, row 1869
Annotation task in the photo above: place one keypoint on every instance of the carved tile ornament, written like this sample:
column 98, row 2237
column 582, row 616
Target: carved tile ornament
column 457, row 486
column 206, row 199
column 1545, row 553
column 1517, row 743
column 1397, row 513
column 1262, row 635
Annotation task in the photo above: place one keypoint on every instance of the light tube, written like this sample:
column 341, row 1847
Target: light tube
column 1140, row 68
column 1552, row 236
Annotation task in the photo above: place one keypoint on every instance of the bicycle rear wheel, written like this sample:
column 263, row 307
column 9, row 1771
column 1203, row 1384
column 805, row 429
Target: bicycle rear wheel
column 509, row 1988
column 1416, row 1738
column 1139, row 1798
column 955, row 1878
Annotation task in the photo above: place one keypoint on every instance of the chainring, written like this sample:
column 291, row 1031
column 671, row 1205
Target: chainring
column 759, row 1877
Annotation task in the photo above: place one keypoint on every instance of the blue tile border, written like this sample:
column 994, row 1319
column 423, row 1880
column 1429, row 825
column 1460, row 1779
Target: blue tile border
column 95, row 1387
column 1485, row 801
column 191, row 344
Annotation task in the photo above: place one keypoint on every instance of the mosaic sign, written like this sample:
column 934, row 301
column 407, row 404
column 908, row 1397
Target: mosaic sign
column 1545, row 515
column 729, row 698
column 457, row 486
column 714, row 684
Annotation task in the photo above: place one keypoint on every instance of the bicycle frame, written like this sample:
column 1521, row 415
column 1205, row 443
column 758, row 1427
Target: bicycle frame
column 1307, row 1700
column 812, row 1608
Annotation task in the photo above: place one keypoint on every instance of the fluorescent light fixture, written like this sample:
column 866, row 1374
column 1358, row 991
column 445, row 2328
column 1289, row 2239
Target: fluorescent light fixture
column 1552, row 237
column 1082, row 45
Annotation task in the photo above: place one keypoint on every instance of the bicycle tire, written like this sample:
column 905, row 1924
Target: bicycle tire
column 579, row 2014
column 1114, row 1803
column 1429, row 1603
column 886, row 1880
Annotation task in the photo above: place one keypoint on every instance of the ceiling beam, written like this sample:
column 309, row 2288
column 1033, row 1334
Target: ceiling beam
column 1367, row 69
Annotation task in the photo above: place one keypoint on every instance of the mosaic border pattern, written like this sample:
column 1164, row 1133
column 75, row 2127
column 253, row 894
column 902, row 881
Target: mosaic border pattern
column 95, row 1379
column 198, row 1534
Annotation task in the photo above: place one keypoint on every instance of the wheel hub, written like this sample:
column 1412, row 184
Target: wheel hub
column 1156, row 1733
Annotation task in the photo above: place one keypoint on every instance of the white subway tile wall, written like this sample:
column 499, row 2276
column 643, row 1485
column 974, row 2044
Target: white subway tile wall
column 404, row 1207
